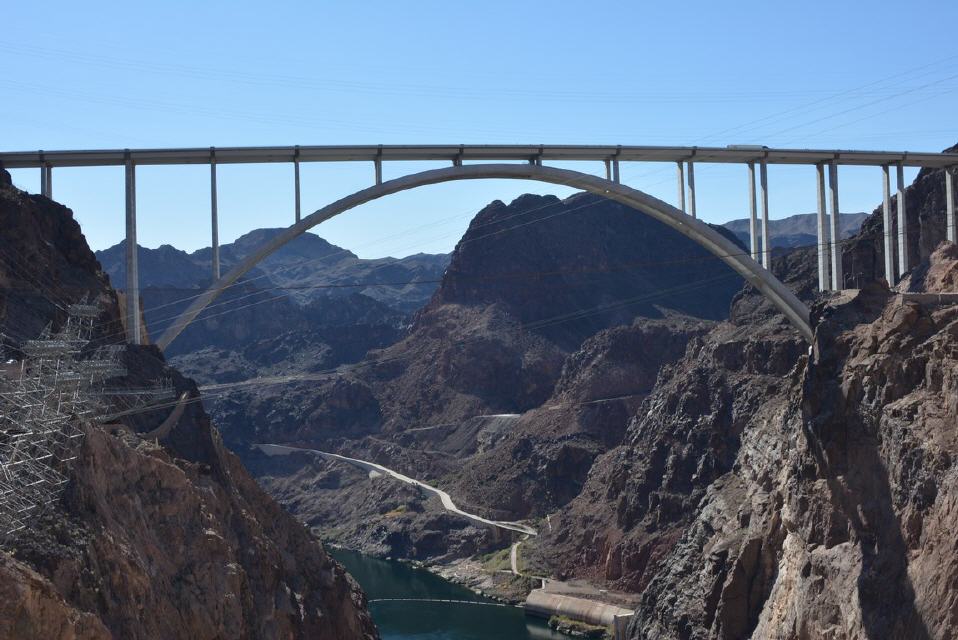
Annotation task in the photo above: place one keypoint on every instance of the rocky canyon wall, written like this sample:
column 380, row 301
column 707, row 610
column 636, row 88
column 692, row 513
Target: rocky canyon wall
column 166, row 537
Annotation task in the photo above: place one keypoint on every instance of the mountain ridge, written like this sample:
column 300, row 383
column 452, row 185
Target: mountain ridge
column 307, row 268
column 798, row 230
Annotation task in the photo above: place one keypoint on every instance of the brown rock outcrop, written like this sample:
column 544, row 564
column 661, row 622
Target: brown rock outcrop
column 157, row 547
column 542, row 460
column 640, row 497
column 31, row 608
column 938, row 275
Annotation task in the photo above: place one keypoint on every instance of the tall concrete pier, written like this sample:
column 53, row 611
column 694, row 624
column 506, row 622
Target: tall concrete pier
column 888, row 227
column 838, row 277
column 133, row 329
column 214, row 218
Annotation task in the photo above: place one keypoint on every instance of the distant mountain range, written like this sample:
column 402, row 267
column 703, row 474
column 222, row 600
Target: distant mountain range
column 799, row 230
column 310, row 300
column 307, row 269
column 310, row 268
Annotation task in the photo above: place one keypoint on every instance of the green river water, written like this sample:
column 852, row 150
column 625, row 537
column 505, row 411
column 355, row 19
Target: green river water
column 477, row 618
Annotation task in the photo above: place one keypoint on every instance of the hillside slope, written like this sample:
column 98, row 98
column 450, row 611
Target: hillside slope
column 161, row 538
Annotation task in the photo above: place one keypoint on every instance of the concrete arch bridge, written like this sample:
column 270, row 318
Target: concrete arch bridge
column 500, row 162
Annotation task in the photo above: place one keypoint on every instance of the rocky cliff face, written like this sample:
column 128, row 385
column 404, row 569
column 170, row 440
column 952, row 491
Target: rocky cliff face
column 514, row 303
column 767, row 491
column 834, row 519
column 151, row 539
column 524, row 367
column 150, row 545
column 539, row 461
column 640, row 496
column 34, row 609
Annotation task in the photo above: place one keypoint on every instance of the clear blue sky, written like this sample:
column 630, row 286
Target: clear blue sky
column 113, row 75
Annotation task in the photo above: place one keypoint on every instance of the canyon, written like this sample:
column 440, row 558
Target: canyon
column 686, row 454
column 675, row 443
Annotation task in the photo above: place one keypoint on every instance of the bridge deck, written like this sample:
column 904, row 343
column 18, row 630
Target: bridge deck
column 336, row 153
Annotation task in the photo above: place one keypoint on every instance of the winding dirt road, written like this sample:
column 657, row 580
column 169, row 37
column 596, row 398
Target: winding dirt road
column 445, row 499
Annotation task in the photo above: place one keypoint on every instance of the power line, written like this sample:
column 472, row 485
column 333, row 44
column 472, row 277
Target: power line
column 325, row 257
column 533, row 275
column 805, row 107
column 213, row 390
column 299, row 265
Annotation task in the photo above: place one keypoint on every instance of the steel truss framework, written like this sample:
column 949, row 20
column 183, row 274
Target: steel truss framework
column 45, row 398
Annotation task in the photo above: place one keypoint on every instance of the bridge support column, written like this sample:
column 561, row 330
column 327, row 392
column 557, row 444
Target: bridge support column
column 133, row 333
column 691, row 178
column 902, row 223
column 680, row 168
column 608, row 169
column 615, row 170
column 378, row 165
column 46, row 181
column 951, row 234
column 763, row 199
column 822, row 230
column 752, row 213
column 889, row 230
column 838, row 278
column 296, row 184
column 214, row 220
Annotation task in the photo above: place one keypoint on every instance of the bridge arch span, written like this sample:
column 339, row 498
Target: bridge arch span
column 762, row 279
